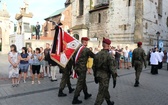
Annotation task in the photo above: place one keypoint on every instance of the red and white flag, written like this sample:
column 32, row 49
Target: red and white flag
column 63, row 47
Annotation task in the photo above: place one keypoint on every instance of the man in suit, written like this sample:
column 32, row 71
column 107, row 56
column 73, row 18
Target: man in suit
column 37, row 31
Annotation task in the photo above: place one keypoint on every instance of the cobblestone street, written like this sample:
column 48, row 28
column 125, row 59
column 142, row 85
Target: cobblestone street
column 153, row 89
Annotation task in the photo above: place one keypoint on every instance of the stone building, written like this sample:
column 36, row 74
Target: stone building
column 59, row 16
column 125, row 22
column 6, row 29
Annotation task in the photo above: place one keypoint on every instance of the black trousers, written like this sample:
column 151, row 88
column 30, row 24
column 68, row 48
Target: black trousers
column 37, row 36
column 154, row 69
column 118, row 62
column 160, row 65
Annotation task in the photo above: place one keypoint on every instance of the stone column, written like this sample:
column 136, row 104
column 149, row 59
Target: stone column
column 138, row 34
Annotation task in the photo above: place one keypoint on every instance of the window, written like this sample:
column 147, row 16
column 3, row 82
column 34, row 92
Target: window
column 125, row 27
column 146, row 25
column 160, row 7
column 81, row 5
column 99, row 3
column 167, row 22
column 76, row 36
column 129, row 2
column 99, row 18
column 26, row 27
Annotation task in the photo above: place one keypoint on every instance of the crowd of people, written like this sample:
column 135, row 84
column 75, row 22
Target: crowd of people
column 104, row 63
column 155, row 58
column 31, row 63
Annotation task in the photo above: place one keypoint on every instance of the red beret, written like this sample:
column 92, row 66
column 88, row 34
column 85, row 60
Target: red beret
column 85, row 38
column 107, row 41
column 139, row 43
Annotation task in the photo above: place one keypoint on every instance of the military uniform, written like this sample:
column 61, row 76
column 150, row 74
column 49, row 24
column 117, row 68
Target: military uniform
column 104, row 66
column 138, row 58
column 81, row 70
column 65, row 79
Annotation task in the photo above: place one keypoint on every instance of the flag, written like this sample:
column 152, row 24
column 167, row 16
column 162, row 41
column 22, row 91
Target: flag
column 63, row 47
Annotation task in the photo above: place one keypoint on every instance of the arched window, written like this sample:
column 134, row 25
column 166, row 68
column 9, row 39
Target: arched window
column 81, row 5
column 76, row 36
column 99, row 18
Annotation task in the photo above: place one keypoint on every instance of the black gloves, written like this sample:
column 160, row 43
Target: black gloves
column 114, row 83
column 96, row 80
column 115, row 75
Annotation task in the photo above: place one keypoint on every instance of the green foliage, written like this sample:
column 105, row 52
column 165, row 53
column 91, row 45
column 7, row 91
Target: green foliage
column 33, row 28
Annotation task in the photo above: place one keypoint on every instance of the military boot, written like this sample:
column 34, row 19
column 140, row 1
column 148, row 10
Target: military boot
column 87, row 96
column 61, row 94
column 136, row 84
column 110, row 102
column 71, row 89
column 76, row 101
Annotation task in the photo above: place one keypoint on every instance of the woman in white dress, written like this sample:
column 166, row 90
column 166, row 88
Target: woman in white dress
column 13, row 58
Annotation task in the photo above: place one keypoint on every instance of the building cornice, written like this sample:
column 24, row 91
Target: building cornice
column 99, row 8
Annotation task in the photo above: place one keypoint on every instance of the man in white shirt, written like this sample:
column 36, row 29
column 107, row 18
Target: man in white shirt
column 126, row 52
column 154, row 59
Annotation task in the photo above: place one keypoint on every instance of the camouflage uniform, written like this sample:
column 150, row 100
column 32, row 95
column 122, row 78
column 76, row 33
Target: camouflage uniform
column 104, row 66
column 66, row 76
column 81, row 70
column 138, row 58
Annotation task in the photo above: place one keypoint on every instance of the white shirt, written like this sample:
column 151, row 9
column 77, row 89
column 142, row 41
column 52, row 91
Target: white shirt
column 155, row 58
column 126, row 52
column 161, row 55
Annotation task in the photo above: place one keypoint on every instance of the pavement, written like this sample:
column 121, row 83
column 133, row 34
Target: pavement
column 153, row 89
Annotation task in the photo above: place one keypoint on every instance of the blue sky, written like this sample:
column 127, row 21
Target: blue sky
column 40, row 8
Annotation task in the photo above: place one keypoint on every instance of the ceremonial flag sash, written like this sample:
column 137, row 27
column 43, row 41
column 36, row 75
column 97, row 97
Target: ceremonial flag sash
column 74, row 75
column 63, row 47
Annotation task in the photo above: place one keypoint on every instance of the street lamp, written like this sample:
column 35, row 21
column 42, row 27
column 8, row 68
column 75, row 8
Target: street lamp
column 158, row 34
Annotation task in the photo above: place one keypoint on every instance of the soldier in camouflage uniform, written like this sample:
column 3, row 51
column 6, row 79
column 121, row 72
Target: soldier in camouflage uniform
column 81, row 70
column 66, row 72
column 138, row 59
column 104, row 67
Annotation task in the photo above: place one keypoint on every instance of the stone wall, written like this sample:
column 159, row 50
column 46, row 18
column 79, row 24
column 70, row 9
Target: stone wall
column 76, row 18
column 152, row 23
column 98, row 28
column 121, row 21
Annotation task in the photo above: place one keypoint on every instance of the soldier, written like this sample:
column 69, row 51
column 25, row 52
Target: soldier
column 104, row 66
column 138, row 58
column 66, row 72
column 81, row 58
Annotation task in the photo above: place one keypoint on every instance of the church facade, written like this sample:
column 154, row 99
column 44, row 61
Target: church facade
column 125, row 22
